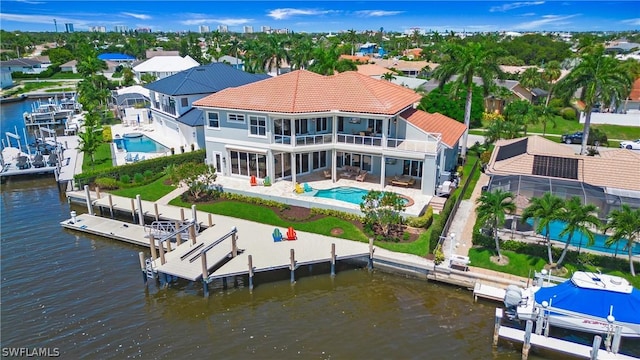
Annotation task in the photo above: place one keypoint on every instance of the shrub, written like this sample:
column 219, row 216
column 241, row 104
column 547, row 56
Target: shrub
column 148, row 174
column 438, row 225
column 106, row 134
column 557, row 103
column 337, row 214
column 423, row 221
column 125, row 179
column 107, row 183
column 406, row 236
column 439, row 255
column 138, row 178
column 568, row 113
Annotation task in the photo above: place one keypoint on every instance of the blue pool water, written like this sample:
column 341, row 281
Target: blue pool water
column 578, row 238
column 347, row 194
column 140, row 143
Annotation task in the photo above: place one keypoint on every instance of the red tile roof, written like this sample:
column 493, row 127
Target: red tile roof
column 451, row 129
column 303, row 91
column 635, row 90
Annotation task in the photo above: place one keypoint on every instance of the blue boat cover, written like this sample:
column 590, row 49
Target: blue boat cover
column 568, row 296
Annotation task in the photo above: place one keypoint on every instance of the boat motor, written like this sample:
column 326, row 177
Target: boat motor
column 512, row 298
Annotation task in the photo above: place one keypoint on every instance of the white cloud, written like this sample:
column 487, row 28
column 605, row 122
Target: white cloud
column 515, row 5
column 33, row 19
column 635, row 21
column 545, row 22
column 30, row 2
column 281, row 14
column 137, row 16
column 228, row 22
column 377, row 13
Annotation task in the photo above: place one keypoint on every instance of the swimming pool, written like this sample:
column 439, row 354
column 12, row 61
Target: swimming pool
column 136, row 142
column 580, row 240
column 351, row 195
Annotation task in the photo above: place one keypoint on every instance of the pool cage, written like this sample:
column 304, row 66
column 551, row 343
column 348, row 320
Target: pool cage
column 526, row 187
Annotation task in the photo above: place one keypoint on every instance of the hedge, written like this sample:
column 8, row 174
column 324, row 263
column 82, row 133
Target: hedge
column 423, row 221
column 155, row 165
column 439, row 224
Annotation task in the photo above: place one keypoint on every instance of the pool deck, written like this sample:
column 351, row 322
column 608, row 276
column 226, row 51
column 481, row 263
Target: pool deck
column 148, row 130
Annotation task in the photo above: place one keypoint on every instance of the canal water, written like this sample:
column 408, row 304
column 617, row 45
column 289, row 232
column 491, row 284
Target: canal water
column 84, row 297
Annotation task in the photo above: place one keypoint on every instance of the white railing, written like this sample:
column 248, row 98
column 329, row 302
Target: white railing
column 359, row 140
column 316, row 139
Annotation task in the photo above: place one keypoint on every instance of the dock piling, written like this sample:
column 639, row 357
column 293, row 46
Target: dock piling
column 161, row 249
column 333, row 259
column 88, row 197
column 250, row 273
column 178, row 234
column 194, row 213
column 371, row 250
column 192, row 234
column 526, row 346
column 98, row 195
column 143, row 266
column 152, row 246
column 111, row 205
column 210, row 219
column 182, row 214
column 496, row 327
column 597, row 340
column 293, row 266
column 133, row 210
column 155, row 208
column 140, row 212
column 234, row 242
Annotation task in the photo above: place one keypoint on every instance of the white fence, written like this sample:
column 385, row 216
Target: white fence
column 631, row 118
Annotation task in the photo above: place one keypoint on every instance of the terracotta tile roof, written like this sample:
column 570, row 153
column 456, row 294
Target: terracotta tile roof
column 303, row 91
column 372, row 70
column 451, row 129
column 355, row 58
column 635, row 91
column 618, row 168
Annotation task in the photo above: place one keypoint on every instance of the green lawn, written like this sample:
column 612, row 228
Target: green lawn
column 150, row 192
column 471, row 159
column 265, row 215
column 419, row 247
column 102, row 159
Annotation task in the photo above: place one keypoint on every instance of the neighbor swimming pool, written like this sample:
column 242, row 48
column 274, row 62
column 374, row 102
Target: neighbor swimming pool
column 580, row 240
column 136, row 142
column 351, row 195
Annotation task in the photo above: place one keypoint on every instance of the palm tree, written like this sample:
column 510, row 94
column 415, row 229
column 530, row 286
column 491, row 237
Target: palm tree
column 472, row 59
column 89, row 141
column 522, row 113
column 551, row 73
column 601, row 79
column 389, row 76
column 325, row 61
column 577, row 217
column 275, row 53
column 543, row 210
column 91, row 65
column 531, row 78
column 492, row 209
column 626, row 228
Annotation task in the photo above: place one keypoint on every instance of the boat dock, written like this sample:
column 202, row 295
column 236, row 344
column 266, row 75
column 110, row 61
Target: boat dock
column 530, row 338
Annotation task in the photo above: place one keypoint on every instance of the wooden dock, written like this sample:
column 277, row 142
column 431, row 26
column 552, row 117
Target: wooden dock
column 484, row 291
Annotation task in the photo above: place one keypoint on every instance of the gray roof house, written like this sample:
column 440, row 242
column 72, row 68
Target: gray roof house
column 26, row 65
column 172, row 99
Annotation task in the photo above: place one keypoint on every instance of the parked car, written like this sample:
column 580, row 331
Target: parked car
column 596, row 137
column 630, row 144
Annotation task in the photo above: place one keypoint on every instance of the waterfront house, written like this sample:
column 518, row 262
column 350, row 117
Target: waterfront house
column 163, row 66
column 533, row 165
column 301, row 122
column 26, row 65
column 70, row 66
column 172, row 99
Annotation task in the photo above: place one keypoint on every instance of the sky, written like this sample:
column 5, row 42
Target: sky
column 324, row 16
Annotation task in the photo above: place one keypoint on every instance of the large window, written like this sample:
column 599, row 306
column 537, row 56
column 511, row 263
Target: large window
column 247, row 164
column 258, row 125
column 213, row 120
column 184, row 102
column 362, row 161
column 322, row 125
column 412, row 167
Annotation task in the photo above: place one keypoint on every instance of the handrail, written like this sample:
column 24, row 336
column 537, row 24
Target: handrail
column 210, row 246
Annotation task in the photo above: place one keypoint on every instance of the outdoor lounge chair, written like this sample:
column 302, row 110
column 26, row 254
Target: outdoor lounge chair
column 291, row 234
column 362, row 175
column 406, row 181
column 38, row 161
column 277, row 235
column 327, row 174
column 307, row 188
column 128, row 158
column 53, row 159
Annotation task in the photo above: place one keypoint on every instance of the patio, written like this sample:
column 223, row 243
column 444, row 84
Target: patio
column 119, row 130
column 284, row 191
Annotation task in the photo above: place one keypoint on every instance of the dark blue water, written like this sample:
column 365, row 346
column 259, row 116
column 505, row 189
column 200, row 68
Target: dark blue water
column 11, row 118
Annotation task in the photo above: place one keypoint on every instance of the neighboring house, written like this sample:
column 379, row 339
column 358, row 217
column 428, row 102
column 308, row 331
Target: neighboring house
column 172, row 98
column 5, row 78
column 151, row 53
column 235, row 62
column 408, row 68
column 356, row 59
column 26, row 65
column 533, row 165
column 412, row 53
column 377, row 72
column 70, row 66
column 302, row 122
column 163, row 66
column 117, row 57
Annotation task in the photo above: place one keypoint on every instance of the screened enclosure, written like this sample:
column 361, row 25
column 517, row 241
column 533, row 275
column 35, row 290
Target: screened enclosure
column 525, row 188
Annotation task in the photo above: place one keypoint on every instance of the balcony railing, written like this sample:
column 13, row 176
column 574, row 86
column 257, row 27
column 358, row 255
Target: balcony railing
column 413, row 145
column 171, row 109
column 359, row 140
column 302, row 140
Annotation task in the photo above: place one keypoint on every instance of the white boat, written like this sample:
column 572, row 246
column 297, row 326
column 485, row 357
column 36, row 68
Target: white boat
column 588, row 302
column 50, row 113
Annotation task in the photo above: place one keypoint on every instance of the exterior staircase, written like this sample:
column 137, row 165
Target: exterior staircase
column 437, row 203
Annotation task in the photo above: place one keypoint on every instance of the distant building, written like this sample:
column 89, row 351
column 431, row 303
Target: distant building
column 70, row 66
column 202, row 29
column 68, row 27
column 163, row 66
column 97, row 29
column 265, row 29
column 151, row 53
column 223, row 28
column 143, row 30
column 120, row 28
column 247, row 29
column 34, row 65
